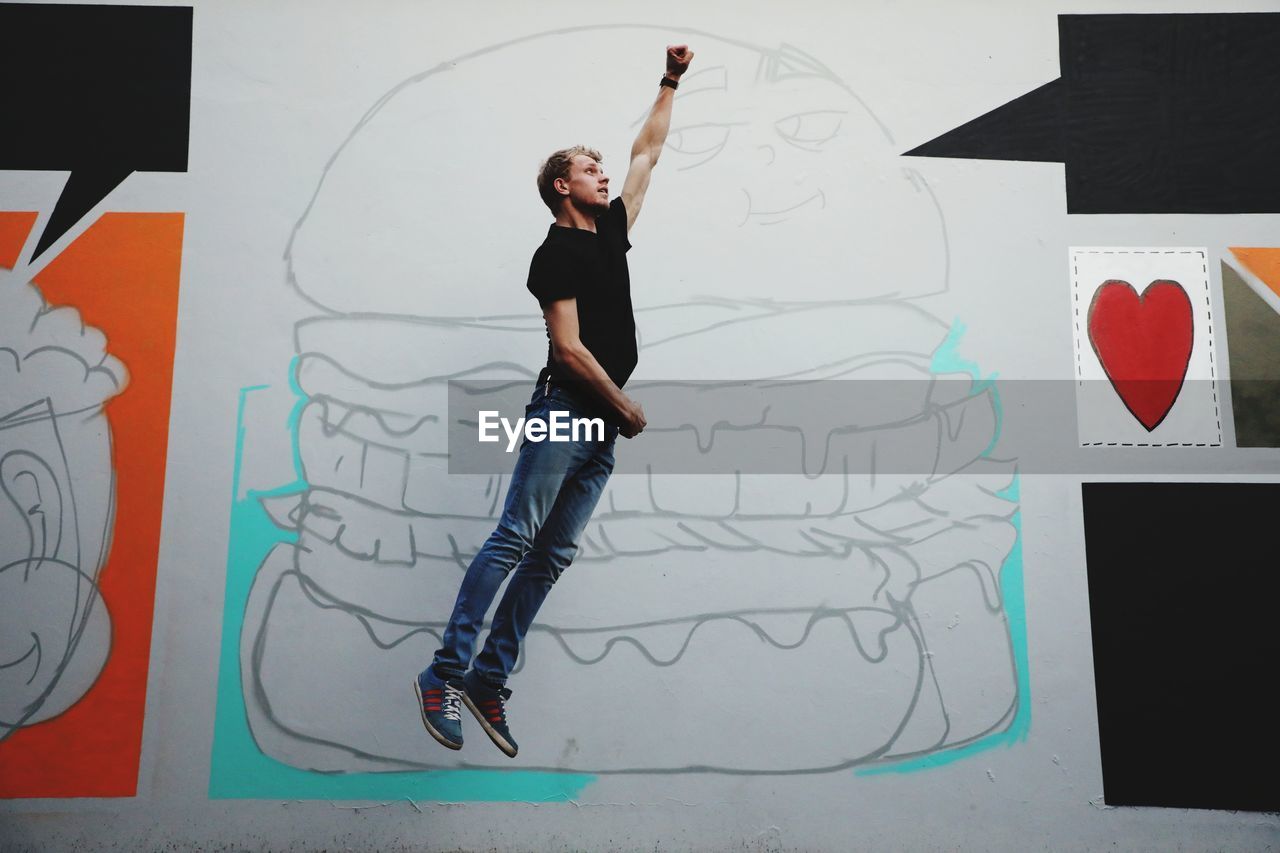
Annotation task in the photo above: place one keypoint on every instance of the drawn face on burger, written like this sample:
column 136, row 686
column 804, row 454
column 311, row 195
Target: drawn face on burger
column 793, row 186
column 776, row 182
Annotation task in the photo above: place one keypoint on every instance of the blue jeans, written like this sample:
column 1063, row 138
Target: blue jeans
column 551, row 495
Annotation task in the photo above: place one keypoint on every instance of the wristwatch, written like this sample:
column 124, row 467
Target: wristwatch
column 667, row 81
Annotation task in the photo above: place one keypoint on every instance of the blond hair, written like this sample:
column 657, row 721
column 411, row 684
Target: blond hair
column 557, row 166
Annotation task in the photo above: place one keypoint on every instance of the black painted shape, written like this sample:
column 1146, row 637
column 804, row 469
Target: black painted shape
column 1183, row 586
column 84, row 188
column 101, row 91
column 1167, row 113
column 1029, row 127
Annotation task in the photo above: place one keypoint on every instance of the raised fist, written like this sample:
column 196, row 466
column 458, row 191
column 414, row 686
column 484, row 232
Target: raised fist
column 678, row 58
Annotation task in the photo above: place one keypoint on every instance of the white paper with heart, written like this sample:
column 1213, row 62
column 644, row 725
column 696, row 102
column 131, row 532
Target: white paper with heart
column 1146, row 370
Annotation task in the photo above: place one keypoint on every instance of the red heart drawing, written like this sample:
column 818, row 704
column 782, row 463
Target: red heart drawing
column 1144, row 344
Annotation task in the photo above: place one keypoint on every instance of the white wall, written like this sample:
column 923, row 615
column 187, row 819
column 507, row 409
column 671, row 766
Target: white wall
column 425, row 208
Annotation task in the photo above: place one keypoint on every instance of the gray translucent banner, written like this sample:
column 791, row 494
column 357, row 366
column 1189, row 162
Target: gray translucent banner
column 869, row 427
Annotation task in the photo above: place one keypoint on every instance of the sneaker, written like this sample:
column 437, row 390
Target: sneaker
column 441, row 709
column 489, row 706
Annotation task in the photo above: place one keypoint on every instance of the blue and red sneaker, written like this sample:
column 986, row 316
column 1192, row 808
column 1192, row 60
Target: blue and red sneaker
column 440, row 703
column 488, row 703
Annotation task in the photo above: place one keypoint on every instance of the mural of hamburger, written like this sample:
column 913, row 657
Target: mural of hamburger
column 857, row 595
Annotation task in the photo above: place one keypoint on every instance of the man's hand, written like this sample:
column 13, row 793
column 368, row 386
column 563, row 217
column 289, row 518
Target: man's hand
column 678, row 58
column 634, row 422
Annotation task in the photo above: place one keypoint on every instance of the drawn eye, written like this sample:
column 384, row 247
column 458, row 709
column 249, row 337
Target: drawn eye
column 699, row 140
column 810, row 130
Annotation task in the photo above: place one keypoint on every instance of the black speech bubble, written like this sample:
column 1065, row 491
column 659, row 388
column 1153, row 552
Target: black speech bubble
column 1168, row 113
column 101, row 91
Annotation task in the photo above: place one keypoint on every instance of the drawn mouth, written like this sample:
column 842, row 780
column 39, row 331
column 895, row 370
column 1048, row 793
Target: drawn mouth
column 867, row 659
column 385, row 525
column 351, row 558
column 773, row 217
column 663, row 643
column 660, row 642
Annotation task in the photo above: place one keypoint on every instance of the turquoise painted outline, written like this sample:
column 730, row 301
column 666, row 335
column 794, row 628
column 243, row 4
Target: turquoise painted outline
column 238, row 769
column 946, row 359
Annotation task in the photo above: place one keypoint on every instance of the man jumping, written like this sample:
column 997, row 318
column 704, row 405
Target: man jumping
column 579, row 275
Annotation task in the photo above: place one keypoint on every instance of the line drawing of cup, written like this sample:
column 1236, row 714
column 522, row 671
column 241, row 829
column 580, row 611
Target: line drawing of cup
column 57, row 504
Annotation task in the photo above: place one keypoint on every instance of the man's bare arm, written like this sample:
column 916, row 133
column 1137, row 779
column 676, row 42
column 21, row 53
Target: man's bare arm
column 652, row 136
column 568, row 352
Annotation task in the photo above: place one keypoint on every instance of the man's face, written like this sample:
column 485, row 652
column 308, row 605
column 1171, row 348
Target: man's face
column 588, row 187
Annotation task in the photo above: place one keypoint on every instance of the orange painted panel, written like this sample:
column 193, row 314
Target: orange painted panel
column 122, row 275
column 1264, row 263
column 14, row 228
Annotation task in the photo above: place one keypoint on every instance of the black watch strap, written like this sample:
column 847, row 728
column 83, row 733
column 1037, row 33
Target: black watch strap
column 668, row 82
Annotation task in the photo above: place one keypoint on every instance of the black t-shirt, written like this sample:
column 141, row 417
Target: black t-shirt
column 573, row 263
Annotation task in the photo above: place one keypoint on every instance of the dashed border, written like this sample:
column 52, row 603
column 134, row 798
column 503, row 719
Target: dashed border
column 1213, row 378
